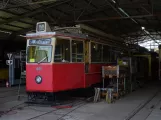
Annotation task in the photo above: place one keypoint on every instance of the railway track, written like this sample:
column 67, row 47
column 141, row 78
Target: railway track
column 78, row 106
column 18, row 106
column 74, row 104
column 10, row 95
column 150, row 105
column 146, row 108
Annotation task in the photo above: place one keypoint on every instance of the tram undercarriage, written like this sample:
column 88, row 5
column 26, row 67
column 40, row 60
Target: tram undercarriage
column 41, row 98
column 63, row 97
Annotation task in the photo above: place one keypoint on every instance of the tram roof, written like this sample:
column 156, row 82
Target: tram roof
column 76, row 36
column 52, row 34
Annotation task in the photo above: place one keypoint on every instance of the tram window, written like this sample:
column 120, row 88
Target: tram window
column 39, row 54
column 96, row 52
column 77, row 51
column 113, row 56
column 106, row 53
column 62, row 51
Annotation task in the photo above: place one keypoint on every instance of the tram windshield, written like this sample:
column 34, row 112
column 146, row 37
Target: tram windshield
column 39, row 54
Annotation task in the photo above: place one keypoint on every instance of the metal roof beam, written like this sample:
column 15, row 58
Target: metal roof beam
column 16, row 18
column 114, row 8
column 6, row 30
column 84, row 10
column 23, row 32
column 29, row 3
column 10, row 3
column 117, row 18
column 18, row 21
column 96, row 7
column 16, row 26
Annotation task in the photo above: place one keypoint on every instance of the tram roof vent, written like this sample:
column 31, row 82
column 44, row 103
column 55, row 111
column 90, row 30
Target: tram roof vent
column 42, row 27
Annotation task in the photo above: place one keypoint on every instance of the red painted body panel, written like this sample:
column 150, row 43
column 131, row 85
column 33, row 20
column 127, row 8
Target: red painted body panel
column 94, row 75
column 68, row 76
column 56, row 77
column 62, row 76
column 46, row 74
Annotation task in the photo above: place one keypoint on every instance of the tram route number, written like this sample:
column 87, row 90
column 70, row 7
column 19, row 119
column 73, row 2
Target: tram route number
column 9, row 62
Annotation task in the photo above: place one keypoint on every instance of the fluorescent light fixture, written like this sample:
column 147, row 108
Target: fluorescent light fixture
column 5, row 32
column 22, row 35
column 126, row 14
column 143, row 28
column 123, row 11
column 113, row 1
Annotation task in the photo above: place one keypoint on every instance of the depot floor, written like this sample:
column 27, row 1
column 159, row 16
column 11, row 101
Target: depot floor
column 130, row 107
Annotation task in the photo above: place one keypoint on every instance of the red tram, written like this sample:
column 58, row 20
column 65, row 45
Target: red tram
column 59, row 61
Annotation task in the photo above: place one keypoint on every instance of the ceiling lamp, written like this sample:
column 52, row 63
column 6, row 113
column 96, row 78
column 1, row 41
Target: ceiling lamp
column 143, row 28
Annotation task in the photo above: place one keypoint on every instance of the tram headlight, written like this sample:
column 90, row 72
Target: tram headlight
column 38, row 79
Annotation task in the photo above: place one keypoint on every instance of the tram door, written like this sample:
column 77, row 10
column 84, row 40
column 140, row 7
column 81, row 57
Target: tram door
column 87, row 56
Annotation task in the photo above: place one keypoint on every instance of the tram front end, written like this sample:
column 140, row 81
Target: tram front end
column 39, row 73
column 39, row 76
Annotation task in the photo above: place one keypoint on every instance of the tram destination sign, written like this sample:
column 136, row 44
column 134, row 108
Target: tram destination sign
column 40, row 42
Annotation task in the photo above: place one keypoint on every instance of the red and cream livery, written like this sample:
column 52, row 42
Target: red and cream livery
column 63, row 61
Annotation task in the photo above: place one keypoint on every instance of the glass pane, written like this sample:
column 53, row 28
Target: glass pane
column 112, row 56
column 62, row 51
column 77, row 51
column 39, row 54
column 106, row 53
column 96, row 52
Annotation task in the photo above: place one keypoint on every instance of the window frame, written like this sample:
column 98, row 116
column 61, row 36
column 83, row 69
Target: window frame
column 38, row 45
column 70, row 40
column 101, row 53
column 108, row 56
column 82, row 53
column 63, row 38
column 103, row 44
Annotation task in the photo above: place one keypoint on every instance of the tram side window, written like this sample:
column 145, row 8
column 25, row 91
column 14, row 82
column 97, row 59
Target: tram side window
column 116, row 56
column 113, row 56
column 77, row 51
column 62, row 51
column 106, row 53
column 96, row 52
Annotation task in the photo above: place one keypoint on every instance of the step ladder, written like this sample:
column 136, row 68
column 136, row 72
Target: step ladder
column 22, row 77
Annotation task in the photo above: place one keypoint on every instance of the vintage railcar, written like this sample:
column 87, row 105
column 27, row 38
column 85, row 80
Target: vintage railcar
column 58, row 61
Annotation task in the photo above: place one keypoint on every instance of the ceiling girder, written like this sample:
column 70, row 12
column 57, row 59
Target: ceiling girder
column 33, row 12
column 28, row 2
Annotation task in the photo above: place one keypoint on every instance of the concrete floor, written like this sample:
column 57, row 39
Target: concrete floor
column 120, row 110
